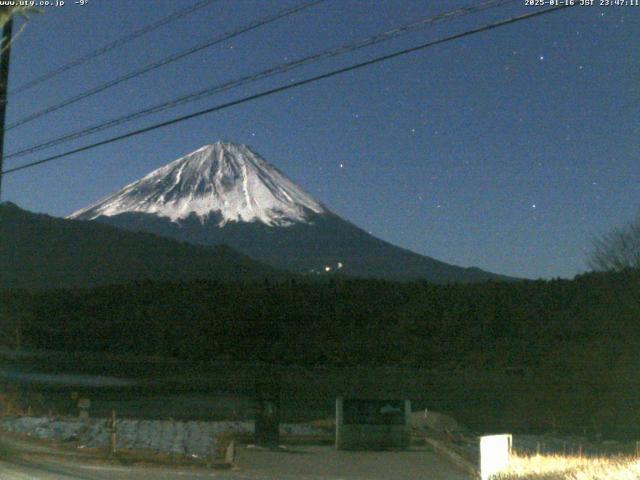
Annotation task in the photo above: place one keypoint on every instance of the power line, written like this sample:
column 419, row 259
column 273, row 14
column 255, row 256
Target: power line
column 165, row 61
column 284, row 67
column 290, row 86
column 112, row 46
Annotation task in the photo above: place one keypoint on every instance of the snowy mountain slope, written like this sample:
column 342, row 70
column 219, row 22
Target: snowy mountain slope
column 224, row 178
column 226, row 194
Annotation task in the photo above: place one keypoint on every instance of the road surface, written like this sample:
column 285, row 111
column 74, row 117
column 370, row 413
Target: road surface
column 39, row 462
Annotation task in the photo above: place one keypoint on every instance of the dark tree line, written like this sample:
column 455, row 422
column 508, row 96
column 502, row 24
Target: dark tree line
column 572, row 343
column 338, row 322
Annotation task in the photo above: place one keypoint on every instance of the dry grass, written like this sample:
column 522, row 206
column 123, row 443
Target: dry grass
column 553, row 467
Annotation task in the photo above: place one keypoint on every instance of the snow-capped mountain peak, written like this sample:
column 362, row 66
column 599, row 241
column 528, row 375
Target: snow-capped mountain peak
column 223, row 178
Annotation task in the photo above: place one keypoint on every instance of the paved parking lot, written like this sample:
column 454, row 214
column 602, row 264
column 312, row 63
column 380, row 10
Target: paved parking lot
column 314, row 462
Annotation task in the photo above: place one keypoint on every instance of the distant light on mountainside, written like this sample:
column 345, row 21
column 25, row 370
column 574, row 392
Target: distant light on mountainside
column 225, row 193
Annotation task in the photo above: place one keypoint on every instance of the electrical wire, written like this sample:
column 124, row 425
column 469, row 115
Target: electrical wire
column 111, row 46
column 284, row 67
column 165, row 61
column 290, row 86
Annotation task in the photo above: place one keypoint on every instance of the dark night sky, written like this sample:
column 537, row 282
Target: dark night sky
column 508, row 150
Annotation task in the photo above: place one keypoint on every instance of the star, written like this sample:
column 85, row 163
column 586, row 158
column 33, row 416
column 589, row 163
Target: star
column 533, row 205
column 342, row 165
column 413, row 130
column 541, row 58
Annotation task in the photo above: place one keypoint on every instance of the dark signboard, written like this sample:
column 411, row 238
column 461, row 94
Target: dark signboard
column 373, row 412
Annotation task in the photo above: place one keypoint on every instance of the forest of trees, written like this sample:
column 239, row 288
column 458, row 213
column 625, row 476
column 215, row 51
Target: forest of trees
column 341, row 321
column 573, row 343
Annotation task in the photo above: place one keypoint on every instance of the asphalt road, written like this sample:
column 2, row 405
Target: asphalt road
column 24, row 459
column 312, row 463
column 316, row 463
column 51, row 470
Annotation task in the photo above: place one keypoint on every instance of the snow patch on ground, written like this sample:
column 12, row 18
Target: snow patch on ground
column 192, row 438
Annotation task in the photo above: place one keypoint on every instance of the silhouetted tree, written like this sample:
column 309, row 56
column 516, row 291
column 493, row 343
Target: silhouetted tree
column 617, row 250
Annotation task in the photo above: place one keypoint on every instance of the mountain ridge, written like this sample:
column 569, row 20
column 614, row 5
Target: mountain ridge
column 42, row 252
column 220, row 177
column 225, row 193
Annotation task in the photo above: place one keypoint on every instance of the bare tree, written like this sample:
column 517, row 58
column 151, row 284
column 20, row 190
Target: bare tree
column 617, row 250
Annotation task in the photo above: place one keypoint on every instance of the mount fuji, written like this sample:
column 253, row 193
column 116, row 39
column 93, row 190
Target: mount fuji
column 225, row 193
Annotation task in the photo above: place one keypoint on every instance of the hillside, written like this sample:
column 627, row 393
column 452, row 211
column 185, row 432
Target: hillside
column 40, row 252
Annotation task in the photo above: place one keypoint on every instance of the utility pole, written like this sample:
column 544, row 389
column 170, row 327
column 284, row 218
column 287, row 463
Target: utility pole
column 4, row 81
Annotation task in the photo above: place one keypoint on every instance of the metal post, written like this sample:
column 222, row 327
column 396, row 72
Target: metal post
column 339, row 422
column 4, row 81
column 114, row 433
